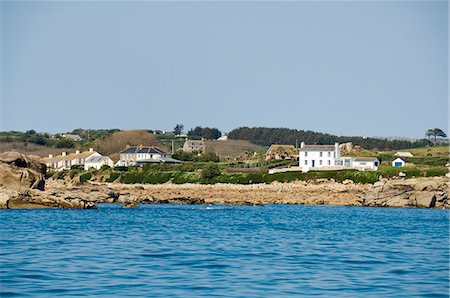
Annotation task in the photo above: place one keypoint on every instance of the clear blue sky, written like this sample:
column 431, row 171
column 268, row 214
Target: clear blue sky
column 343, row 67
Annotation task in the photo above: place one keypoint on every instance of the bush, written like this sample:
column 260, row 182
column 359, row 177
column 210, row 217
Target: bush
column 121, row 168
column 85, row 177
column 77, row 167
column 210, row 171
column 65, row 143
column 112, row 177
column 105, row 168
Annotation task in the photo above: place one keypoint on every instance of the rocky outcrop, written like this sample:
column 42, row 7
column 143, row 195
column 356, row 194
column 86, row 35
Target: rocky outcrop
column 22, row 185
column 420, row 193
column 21, row 172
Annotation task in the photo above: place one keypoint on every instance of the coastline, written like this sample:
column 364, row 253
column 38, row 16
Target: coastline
column 417, row 193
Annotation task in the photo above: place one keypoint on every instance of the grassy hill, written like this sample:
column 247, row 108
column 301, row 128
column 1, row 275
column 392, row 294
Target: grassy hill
column 233, row 148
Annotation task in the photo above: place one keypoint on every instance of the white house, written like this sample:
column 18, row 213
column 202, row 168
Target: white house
column 404, row 154
column 365, row 163
column 97, row 162
column 66, row 161
column 318, row 156
column 398, row 162
column 133, row 155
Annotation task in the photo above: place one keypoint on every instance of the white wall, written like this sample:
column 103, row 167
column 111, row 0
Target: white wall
column 370, row 165
column 321, row 158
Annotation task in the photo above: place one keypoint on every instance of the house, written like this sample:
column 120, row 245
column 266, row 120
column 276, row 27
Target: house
column 319, row 156
column 135, row 155
column 365, row 163
column 194, row 146
column 398, row 162
column 66, row 161
column 223, row 137
column 97, row 162
column 279, row 152
column 404, row 154
column 75, row 138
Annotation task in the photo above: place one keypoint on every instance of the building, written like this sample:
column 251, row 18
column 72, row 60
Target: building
column 404, row 154
column 75, row 138
column 66, row 161
column 223, row 137
column 97, row 162
column 328, row 157
column 198, row 146
column 398, row 162
column 279, row 152
column 135, row 155
column 319, row 156
column 365, row 163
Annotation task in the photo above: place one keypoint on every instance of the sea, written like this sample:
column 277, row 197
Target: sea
column 224, row 251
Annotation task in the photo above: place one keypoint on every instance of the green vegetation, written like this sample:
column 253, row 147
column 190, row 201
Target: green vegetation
column 211, row 170
column 85, row 177
column 205, row 132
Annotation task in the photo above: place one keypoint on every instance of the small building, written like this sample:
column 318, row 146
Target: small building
column 223, row 137
column 66, row 161
column 97, row 162
column 279, row 152
column 198, row 146
column 75, row 138
column 404, row 154
column 398, row 162
column 365, row 163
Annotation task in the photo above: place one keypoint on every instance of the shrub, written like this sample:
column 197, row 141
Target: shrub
column 105, row 168
column 121, row 168
column 112, row 177
column 85, row 177
column 65, row 143
column 210, row 171
column 77, row 167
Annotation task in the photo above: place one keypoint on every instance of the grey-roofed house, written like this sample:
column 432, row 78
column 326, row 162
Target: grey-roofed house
column 133, row 155
column 97, row 162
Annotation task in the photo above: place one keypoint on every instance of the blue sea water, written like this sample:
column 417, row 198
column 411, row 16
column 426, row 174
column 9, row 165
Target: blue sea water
column 222, row 251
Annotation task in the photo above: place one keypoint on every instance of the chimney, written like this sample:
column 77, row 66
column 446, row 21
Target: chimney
column 64, row 154
column 50, row 156
column 77, row 151
column 337, row 150
column 302, row 144
column 91, row 149
column 127, row 146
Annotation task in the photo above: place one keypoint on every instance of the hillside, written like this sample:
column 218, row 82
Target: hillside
column 233, row 148
column 112, row 144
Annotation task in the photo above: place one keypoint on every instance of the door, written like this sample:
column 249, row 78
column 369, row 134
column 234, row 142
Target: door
column 313, row 163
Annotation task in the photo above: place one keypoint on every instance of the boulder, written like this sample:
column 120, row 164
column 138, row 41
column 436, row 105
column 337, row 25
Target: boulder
column 425, row 199
column 19, row 172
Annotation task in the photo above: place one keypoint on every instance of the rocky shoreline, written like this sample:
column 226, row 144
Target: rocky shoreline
column 22, row 186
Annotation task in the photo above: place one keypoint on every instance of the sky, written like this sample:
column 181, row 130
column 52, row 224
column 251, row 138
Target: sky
column 342, row 67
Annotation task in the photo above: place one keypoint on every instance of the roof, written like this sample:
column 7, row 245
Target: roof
column 276, row 148
column 365, row 159
column 85, row 154
column 398, row 159
column 404, row 154
column 94, row 159
column 317, row 148
column 143, row 149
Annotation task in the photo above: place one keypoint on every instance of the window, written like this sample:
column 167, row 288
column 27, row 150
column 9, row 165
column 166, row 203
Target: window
column 306, row 154
column 320, row 161
column 329, row 162
column 329, row 154
column 306, row 162
column 320, row 154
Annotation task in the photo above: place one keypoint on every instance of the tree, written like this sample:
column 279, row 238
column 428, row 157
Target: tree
column 178, row 129
column 205, row 132
column 210, row 171
column 435, row 132
column 65, row 143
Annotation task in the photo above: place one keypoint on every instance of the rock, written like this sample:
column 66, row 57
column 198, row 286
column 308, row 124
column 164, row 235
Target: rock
column 19, row 172
column 401, row 174
column 347, row 181
column 131, row 205
column 425, row 199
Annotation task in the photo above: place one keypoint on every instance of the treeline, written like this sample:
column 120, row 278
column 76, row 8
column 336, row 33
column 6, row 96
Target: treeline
column 205, row 132
column 267, row 136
